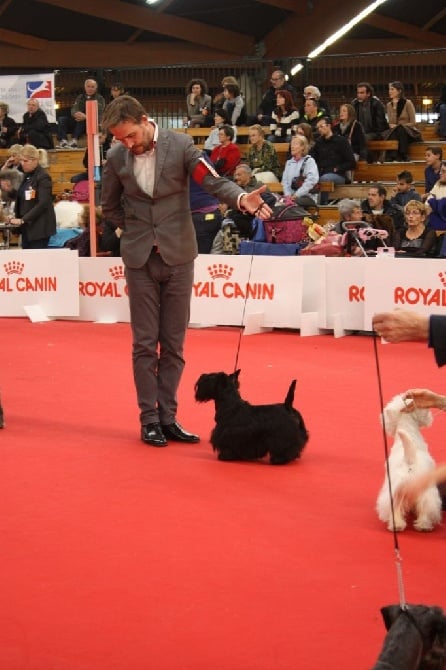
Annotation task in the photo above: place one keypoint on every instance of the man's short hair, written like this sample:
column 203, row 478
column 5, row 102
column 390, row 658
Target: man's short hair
column 382, row 191
column 368, row 87
column 228, row 130
column 245, row 167
column 405, row 176
column 122, row 109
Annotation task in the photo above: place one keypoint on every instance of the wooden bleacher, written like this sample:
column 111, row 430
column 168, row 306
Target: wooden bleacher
column 64, row 163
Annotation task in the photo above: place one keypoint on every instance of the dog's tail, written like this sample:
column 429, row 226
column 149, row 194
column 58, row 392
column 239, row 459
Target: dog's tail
column 290, row 395
column 410, row 449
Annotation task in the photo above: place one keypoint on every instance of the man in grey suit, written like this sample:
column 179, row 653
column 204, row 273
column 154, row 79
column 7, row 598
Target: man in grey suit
column 145, row 191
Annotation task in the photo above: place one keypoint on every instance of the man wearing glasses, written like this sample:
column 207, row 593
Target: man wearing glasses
column 333, row 155
column 268, row 102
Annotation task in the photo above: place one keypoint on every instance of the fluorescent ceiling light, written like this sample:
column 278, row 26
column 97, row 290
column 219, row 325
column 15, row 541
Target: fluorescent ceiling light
column 297, row 68
column 152, row 2
column 345, row 29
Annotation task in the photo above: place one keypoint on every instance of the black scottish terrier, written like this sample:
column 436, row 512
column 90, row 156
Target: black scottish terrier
column 245, row 432
column 416, row 638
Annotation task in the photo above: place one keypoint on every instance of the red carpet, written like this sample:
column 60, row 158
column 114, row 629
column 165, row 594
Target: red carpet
column 118, row 556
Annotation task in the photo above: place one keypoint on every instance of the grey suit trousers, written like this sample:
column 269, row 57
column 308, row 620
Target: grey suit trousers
column 159, row 298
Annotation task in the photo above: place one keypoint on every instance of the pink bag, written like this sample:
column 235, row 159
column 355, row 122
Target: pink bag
column 285, row 232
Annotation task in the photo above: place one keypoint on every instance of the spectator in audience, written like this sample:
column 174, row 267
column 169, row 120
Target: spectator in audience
column 8, row 127
column 234, row 105
column 333, row 155
column 402, row 122
column 440, row 108
column 403, row 191
column 219, row 97
column 221, row 118
column 244, row 178
column 14, row 153
column 206, row 215
column 284, row 117
column 436, row 208
column 226, row 155
column 76, row 124
column 34, row 210
column 312, row 114
column 268, row 102
column 10, row 180
column 199, row 104
column 371, row 113
column 438, row 191
column 349, row 210
column 81, row 243
column 262, row 156
column 434, row 157
column 416, row 239
column 110, row 239
column 314, row 93
column 117, row 89
column 300, row 176
column 376, row 206
column 306, row 130
column 35, row 129
column 349, row 127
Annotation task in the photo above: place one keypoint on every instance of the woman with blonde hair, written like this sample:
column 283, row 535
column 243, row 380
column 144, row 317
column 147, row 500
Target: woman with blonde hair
column 300, row 176
column 14, row 155
column 262, row 156
column 34, row 210
column 416, row 239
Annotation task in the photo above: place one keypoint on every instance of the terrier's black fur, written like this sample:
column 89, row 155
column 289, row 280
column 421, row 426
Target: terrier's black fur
column 416, row 638
column 2, row 418
column 245, row 432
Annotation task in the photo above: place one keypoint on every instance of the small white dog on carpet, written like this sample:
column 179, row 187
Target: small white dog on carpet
column 408, row 457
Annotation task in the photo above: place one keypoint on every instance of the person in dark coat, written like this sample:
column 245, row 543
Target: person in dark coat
column 8, row 127
column 35, row 129
column 34, row 211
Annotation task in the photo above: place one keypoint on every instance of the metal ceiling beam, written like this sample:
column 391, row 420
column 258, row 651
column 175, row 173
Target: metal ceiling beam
column 406, row 30
column 164, row 24
column 22, row 40
column 110, row 55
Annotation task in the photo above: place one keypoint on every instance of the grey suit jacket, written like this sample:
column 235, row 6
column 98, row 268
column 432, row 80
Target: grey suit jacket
column 164, row 219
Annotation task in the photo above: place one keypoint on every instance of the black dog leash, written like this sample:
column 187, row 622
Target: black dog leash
column 243, row 316
column 398, row 558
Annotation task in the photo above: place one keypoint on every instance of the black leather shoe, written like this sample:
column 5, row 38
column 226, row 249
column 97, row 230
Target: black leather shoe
column 176, row 433
column 152, row 434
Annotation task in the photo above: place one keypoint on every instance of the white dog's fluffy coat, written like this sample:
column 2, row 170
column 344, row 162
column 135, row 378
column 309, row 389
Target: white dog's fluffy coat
column 409, row 457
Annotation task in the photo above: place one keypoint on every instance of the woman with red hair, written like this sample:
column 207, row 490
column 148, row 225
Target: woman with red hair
column 284, row 117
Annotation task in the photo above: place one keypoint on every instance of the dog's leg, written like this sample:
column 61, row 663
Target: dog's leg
column 428, row 510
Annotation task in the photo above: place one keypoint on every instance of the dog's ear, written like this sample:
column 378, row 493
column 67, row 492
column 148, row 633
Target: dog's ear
column 390, row 614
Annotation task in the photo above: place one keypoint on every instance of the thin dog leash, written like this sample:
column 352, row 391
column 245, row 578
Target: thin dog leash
column 396, row 547
column 243, row 316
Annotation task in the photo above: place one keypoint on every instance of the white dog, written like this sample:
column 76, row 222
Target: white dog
column 409, row 457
